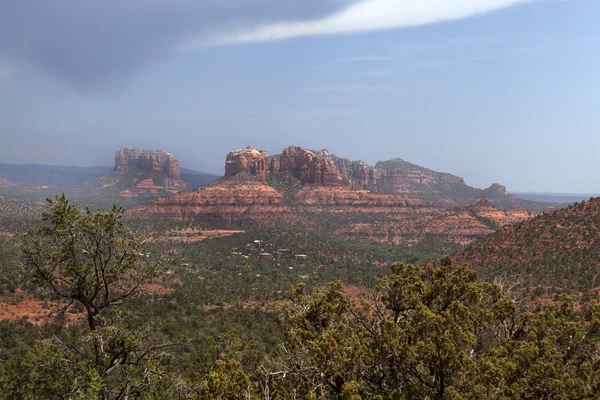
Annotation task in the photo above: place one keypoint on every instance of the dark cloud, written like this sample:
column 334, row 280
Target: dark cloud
column 91, row 43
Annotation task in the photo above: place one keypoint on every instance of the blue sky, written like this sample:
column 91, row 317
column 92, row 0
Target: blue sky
column 491, row 90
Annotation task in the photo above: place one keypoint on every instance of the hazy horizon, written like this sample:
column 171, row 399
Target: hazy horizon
column 494, row 91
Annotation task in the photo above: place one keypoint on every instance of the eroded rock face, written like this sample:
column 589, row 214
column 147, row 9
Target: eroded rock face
column 459, row 226
column 143, row 172
column 247, row 161
column 273, row 165
column 231, row 204
column 309, row 168
column 148, row 160
column 352, row 173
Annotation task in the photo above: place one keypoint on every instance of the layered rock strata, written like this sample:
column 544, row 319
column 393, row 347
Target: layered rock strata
column 247, row 161
column 149, row 161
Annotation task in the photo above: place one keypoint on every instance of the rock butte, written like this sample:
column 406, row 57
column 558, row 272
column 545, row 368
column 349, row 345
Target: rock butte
column 247, row 161
column 144, row 172
column 149, row 161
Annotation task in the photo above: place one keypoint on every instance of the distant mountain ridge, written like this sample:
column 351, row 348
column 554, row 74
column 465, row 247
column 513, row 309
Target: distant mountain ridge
column 50, row 175
column 395, row 176
column 560, row 198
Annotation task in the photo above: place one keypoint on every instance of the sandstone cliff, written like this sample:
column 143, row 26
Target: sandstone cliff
column 142, row 172
column 225, row 203
column 247, row 161
column 308, row 167
column 459, row 226
column 148, row 161
column 396, row 177
column 352, row 173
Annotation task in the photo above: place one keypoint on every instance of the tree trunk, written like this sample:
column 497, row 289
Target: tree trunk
column 91, row 313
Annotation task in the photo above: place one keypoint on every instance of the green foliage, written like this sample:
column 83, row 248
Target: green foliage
column 227, row 382
column 434, row 333
column 91, row 258
column 225, row 329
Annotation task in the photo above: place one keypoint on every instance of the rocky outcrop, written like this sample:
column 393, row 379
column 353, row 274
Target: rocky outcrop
column 352, row 173
column 414, row 174
column 309, row 168
column 273, row 165
column 149, row 161
column 395, row 176
column 226, row 203
column 459, row 226
column 140, row 173
column 247, row 161
column 347, row 198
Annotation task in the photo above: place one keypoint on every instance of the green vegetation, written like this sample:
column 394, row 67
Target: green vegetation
column 434, row 333
column 17, row 214
column 217, row 321
column 285, row 184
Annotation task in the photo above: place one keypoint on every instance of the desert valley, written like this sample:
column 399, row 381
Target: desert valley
column 300, row 200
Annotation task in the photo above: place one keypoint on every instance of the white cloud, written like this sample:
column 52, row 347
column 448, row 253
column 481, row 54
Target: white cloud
column 370, row 57
column 346, row 88
column 372, row 15
column 380, row 73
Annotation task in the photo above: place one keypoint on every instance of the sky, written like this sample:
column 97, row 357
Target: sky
column 502, row 91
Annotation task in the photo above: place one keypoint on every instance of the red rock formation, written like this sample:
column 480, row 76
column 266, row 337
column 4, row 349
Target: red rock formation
column 225, row 203
column 352, row 173
column 247, row 161
column 320, row 192
column 309, row 168
column 273, row 165
column 460, row 226
column 143, row 172
column 149, row 161
column 347, row 197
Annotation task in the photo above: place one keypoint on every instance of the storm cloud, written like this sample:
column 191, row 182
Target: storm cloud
column 89, row 44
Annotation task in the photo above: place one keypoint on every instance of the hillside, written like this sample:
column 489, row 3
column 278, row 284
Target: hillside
column 16, row 214
column 557, row 249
